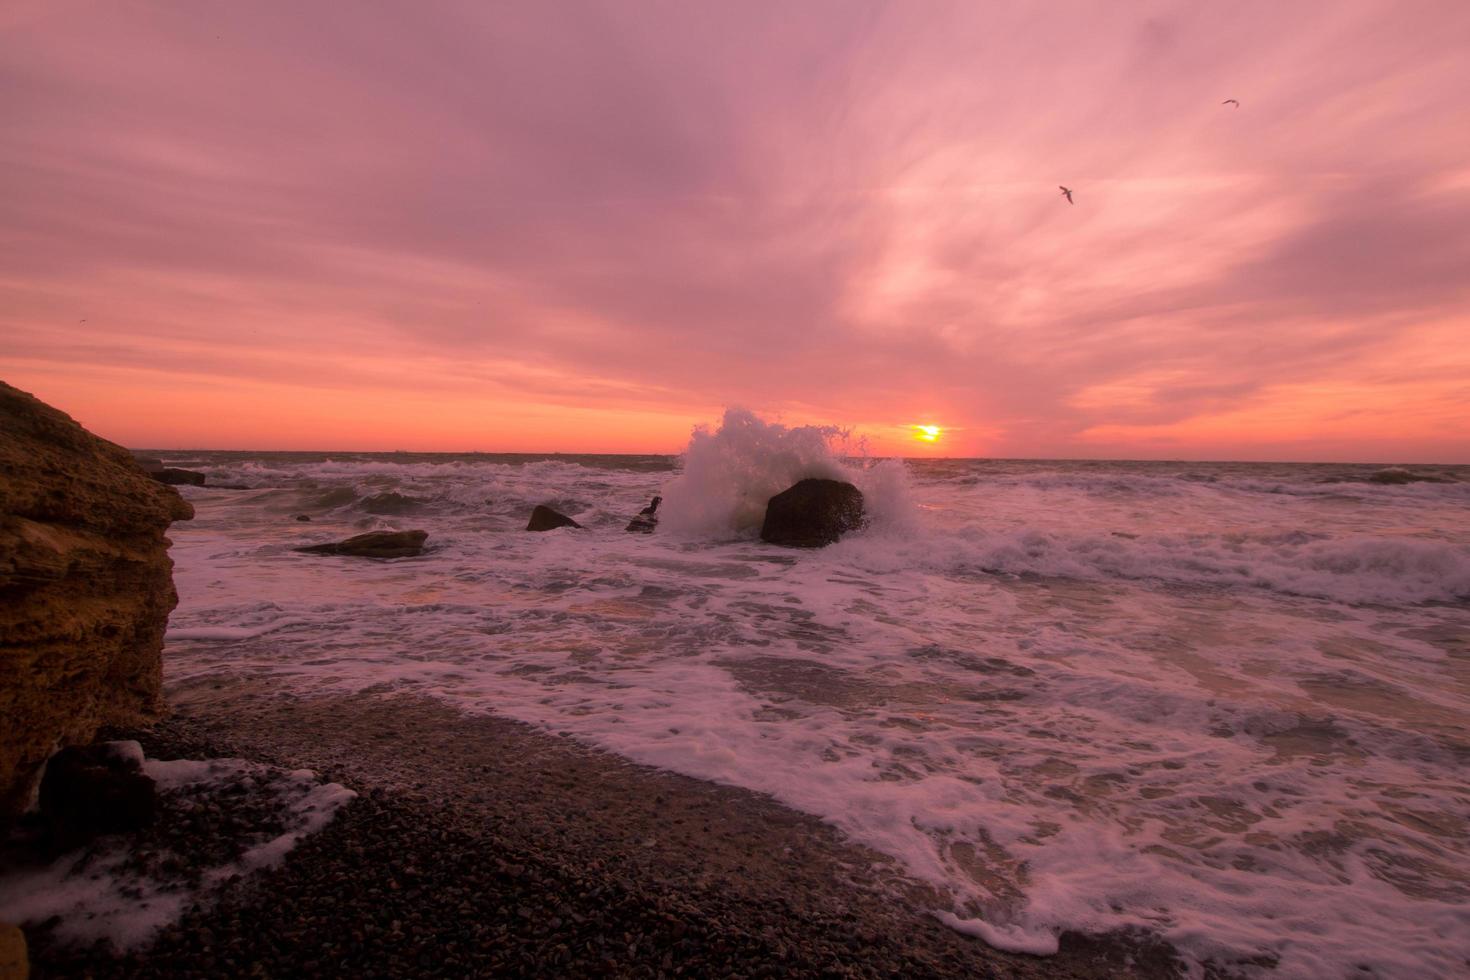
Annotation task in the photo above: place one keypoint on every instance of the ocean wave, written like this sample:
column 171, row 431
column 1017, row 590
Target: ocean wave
column 1173, row 523
column 1352, row 570
column 1112, row 697
column 1123, row 486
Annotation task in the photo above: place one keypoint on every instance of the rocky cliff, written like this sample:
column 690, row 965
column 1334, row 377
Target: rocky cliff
column 86, row 587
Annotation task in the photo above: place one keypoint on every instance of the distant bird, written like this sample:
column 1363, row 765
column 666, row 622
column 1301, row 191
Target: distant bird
column 1234, row 102
column 1067, row 193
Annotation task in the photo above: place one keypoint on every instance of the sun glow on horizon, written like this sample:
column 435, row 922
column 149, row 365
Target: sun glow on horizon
column 927, row 433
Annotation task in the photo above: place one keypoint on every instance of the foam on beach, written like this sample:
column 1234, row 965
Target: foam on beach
column 112, row 891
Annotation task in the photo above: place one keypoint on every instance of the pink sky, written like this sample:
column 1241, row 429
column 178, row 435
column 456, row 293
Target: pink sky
column 576, row 226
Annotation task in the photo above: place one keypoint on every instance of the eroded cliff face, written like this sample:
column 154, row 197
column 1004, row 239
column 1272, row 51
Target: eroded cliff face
column 86, row 586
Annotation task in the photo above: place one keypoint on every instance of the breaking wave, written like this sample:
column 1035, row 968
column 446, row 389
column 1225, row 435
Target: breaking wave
column 730, row 472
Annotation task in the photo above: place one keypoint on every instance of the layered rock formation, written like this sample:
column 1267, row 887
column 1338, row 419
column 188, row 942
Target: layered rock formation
column 86, row 586
column 812, row 513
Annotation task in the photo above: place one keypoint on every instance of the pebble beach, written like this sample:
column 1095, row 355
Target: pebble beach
column 481, row 847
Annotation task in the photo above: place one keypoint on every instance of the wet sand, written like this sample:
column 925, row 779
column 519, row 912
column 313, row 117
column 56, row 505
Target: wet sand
column 481, row 846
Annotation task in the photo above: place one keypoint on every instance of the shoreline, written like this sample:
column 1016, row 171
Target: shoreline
column 531, row 853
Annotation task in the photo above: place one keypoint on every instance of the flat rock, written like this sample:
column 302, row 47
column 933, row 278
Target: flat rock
column 86, row 586
column 176, row 477
column 374, row 544
column 812, row 513
column 543, row 518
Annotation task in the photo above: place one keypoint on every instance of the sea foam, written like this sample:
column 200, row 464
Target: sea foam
column 1222, row 702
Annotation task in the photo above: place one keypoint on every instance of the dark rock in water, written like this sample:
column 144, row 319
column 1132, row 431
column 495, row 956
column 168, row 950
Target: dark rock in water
column 303, row 517
column 86, row 587
column 647, row 518
column 543, row 518
column 177, row 478
column 148, row 462
column 374, row 544
column 389, row 503
column 1395, row 475
column 812, row 513
column 93, row 790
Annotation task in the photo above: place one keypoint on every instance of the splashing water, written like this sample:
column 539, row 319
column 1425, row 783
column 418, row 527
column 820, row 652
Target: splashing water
column 730, row 473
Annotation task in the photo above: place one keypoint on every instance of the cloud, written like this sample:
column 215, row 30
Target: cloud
column 846, row 210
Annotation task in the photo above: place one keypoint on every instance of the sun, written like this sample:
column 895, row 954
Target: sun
column 927, row 433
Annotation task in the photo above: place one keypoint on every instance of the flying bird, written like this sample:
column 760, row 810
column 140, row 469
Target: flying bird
column 1234, row 102
column 1067, row 193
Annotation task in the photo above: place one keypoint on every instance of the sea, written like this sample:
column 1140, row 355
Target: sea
column 1227, row 703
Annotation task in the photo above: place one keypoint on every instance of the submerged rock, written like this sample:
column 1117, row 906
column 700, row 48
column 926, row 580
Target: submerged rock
column 94, row 790
column 812, row 513
column 148, row 463
column 647, row 518
column 374, row 544
column 543, row 518
column 390, row 503
column 177, row 478
column 86, row 586
column 1396, row 475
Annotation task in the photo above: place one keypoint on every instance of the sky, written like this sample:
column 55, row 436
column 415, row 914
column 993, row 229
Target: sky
column 575, row 226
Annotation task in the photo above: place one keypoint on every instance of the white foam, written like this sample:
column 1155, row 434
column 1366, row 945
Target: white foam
column 94, row 899
column 97, row 897
column 1012, row 939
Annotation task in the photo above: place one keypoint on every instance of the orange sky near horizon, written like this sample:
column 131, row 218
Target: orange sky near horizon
column 591, row 227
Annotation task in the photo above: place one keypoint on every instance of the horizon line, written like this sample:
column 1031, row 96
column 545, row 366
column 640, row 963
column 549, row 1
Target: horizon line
column 676, row 455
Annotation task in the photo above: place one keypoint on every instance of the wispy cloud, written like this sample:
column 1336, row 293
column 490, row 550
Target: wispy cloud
column 846, row 212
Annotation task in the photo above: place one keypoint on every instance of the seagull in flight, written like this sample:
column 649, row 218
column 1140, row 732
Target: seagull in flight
column 1067, row 193
column 1234, row 102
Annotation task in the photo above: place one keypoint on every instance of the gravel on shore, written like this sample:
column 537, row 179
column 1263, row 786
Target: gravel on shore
column 482, row 847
